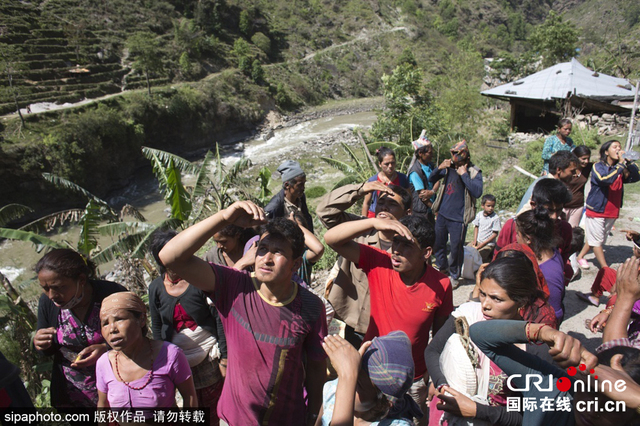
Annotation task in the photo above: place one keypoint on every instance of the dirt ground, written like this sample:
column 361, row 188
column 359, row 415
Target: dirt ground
column 616, row 251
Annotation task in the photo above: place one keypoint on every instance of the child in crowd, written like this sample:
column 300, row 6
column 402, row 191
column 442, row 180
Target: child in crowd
column 372, row 383
column 487, row 227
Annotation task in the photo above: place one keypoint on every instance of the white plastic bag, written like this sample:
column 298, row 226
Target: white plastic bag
column 472, row 262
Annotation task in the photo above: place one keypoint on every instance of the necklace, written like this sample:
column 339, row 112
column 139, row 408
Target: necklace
column 150, row 372
column 172, row 282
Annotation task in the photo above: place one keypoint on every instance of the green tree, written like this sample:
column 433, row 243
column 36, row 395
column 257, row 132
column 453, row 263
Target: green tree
column 76, row 36
column 262, row 41
column 409, row 107
column 11, row 67
column 555, row 39
column 257, row 72
column 244, row 23
column 144, row 47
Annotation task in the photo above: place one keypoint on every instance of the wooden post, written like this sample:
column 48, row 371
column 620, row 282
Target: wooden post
column 631, row 122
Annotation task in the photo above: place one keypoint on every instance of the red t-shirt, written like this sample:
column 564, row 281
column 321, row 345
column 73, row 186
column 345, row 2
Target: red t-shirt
column 614, row 201
column 396, row 306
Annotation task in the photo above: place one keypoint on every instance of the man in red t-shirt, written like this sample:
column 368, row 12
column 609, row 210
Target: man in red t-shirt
column 406, row 292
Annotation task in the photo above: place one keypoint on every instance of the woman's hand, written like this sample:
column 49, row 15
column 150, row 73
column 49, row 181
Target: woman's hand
column 432, row 392
column 598, row 322
column 89, row 355
column 44, row 338
column 456, row 404
column 343, row 356
column 565, row 350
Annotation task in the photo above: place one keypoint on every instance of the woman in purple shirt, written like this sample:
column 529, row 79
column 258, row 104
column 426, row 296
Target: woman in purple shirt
column 536, row 230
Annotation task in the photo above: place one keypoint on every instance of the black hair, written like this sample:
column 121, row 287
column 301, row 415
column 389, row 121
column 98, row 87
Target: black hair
column 487, row 197
column 422, row 230
column 234, row 231
column 158, row 240
column 563, row 122
column 289, row 231
column 605, row 146
column 630, row 361
column 383, row 151
column 581, row 150
column 422, row 150
column 67, row 263
column 402, row 192
column 515, row 274
column 561, row 160
column 577, row 240
column 548, row 191
column 539, row 227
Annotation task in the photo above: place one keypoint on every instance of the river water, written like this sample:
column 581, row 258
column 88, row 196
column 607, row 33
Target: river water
column 17, row 258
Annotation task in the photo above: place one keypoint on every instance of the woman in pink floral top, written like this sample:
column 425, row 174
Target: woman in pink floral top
column 69, row 325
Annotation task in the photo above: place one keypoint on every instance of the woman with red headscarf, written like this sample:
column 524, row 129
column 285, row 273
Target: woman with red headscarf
column 509, row 288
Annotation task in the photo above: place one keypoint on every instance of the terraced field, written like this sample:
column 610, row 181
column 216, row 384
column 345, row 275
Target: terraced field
column 63, row 57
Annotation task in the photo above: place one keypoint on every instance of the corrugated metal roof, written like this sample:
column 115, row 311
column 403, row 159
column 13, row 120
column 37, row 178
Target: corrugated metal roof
column 562, row 79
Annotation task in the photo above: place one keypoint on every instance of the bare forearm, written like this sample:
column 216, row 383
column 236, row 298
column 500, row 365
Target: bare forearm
column 316, row 249
column 177, row 252
column 345, row 401
column 618, row 320
column 346, row 232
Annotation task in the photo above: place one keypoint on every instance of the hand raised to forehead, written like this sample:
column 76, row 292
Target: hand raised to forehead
column 244, row 214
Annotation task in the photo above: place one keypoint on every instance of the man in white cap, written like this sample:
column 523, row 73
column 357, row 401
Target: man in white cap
column 419, row 172
column 291, row 198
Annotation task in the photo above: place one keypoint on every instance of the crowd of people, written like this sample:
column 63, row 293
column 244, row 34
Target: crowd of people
column 241, row 332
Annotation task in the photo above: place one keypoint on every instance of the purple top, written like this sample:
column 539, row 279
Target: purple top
column 170, row 368
column 268, row 344
column 553, row 271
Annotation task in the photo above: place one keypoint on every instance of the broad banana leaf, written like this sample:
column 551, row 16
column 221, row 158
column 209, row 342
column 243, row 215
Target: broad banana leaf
column 12, row 212
column 38, row 240
column 89, row 228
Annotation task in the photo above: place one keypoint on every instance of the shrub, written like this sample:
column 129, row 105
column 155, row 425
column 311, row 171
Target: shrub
column 262, row 41
column 315, row 192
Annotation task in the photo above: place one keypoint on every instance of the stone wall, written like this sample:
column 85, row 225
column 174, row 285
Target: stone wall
column 607, row 124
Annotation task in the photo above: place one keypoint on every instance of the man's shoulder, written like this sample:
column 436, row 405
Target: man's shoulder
column 434, row 277
column 312, row 306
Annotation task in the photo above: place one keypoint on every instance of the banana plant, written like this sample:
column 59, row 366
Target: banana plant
column 358, row 170
column 95, row 212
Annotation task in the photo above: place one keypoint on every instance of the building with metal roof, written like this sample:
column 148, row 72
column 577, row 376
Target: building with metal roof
column 540, row 99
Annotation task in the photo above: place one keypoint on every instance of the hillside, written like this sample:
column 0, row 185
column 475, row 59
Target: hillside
column 217, row 67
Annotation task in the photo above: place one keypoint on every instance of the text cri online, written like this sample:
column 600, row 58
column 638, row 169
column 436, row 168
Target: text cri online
column 46, row 417
column 594, row 406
